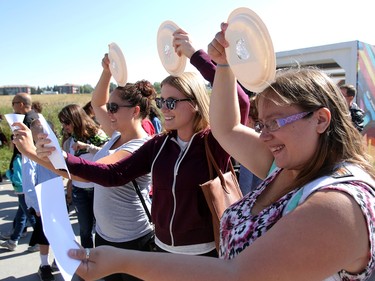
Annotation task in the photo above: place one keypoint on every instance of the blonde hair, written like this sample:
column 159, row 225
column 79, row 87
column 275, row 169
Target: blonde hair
column 192, row 86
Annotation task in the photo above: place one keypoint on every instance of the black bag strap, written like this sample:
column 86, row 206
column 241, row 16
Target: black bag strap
column 136, row 187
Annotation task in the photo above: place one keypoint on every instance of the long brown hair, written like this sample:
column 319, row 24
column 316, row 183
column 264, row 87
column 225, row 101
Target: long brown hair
column 311, row 89
column 84, row 126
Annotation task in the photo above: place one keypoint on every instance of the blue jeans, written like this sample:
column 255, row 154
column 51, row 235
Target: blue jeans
column 20, row 219
column 83, row 199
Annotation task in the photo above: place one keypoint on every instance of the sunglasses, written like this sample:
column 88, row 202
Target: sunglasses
column 114, row 107
column 15, row 102
column 65, row 122
column 170, row 103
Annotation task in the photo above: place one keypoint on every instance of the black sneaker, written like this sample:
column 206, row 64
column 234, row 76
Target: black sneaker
column 45, row 273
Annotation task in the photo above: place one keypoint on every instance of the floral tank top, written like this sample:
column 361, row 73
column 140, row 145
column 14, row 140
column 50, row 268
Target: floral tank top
column 237, row 221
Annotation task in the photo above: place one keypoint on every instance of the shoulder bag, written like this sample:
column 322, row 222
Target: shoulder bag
column 220, row 192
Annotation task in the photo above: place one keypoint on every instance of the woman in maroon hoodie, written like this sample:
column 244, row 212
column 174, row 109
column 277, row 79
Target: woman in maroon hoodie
column 176, row 159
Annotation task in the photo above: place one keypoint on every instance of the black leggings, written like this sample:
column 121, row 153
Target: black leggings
column 38, row 236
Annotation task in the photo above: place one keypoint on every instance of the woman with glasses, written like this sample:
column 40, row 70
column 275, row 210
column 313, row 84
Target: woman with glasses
column 121, row 220
column 81, row 128
column 176, row 159
column 311, row 219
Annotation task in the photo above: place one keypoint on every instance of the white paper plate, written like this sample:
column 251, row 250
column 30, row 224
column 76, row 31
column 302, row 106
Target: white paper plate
column 117, row 64
column 172, row 63
column 250, row 53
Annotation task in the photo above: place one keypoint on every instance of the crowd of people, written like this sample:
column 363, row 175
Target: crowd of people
column 308, row 211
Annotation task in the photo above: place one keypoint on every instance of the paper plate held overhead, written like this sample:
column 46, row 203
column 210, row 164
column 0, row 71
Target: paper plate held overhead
column 117, row 64
column 250, row 53
column 173, row 64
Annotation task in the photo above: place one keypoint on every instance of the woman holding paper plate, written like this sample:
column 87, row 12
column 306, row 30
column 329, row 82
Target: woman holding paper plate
column 176, row 159
column 121, row 220
column 312, row 219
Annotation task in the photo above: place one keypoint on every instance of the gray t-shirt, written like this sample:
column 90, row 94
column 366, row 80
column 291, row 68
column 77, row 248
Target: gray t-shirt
column 119, row 214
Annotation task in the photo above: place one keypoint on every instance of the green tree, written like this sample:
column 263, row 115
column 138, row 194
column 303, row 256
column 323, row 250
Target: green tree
column 86, row 89
column 157, row 87
column 112, row 86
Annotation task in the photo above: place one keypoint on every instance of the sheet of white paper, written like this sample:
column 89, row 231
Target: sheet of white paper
column 56, row 224
column 13, row 117
column 56, row 158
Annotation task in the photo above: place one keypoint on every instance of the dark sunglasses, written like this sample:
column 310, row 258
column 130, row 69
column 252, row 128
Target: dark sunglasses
column 170, row 103
column 114, row 107
column 15, row 102
column 66, row 122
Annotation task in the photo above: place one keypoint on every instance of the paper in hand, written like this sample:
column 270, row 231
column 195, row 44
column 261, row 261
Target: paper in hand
column 56, row 158
column 56, row 224
column 12, row 118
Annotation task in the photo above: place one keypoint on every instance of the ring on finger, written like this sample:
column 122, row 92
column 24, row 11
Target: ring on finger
column 87, row 253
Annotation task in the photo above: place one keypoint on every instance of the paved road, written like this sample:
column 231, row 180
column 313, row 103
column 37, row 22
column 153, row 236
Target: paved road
column 20, row 264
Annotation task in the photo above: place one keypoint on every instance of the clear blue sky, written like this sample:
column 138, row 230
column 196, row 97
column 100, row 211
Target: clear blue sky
column 47, row 43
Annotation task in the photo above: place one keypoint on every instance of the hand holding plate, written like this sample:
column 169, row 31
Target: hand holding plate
column 216, row 49
column 105, row 63
column 182, row 43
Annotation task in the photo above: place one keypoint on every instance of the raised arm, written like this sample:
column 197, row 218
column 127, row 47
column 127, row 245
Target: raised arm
column 238, row 140
column 100, row 97
column 202, row 61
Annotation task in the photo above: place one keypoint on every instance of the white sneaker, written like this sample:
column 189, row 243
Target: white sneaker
column 9, row 244
column 33, row 249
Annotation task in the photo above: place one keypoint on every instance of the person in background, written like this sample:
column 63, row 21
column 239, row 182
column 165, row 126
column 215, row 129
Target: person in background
column 90, row 111
column 183, row 223
column 37, row 106
column 3, row 138
column 357, row 114
column 155, row 119
column 35, row 174
column 21, row 104
column 83, row 128
column 311, row 219
column 3, row 142
column 15, row 175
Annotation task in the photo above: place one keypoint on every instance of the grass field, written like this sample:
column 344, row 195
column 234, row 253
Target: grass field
column 52, row 104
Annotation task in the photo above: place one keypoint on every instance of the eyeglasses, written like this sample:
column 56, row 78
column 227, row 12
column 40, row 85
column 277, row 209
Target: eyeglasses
column 114, row 107
column 15, row 102
column 170, row 103
column 275, row 124
column 65, row 122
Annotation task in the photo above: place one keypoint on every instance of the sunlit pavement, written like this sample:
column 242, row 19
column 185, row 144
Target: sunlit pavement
column 20, row 264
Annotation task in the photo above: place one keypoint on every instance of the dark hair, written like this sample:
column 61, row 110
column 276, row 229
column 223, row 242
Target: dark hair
column 139, row 94
column 84, row 126
column 350, row 90
column 37, row 106
column 89, row 110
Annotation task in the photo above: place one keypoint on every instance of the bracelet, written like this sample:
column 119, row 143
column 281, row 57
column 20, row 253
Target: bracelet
column 222, row 65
